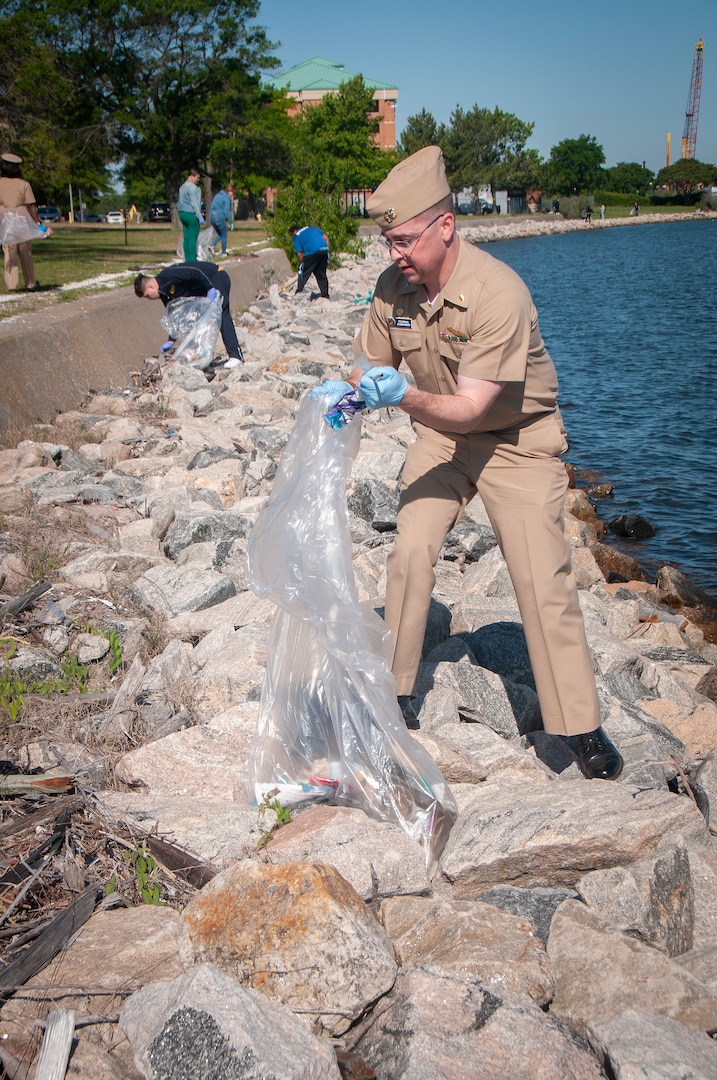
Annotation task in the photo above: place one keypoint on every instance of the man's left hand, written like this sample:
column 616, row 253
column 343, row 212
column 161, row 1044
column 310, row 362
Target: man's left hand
column 212, row 294
column 382, row 386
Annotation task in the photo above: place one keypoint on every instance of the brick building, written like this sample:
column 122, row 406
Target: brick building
column 311, row 80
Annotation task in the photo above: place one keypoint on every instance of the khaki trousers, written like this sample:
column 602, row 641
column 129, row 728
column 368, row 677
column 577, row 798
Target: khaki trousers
column 522, row 483
column 11, row 253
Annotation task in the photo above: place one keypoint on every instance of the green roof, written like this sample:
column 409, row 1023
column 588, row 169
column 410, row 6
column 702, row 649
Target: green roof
column 320, row 74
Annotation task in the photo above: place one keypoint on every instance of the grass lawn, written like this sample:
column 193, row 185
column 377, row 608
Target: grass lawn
column 78, row 253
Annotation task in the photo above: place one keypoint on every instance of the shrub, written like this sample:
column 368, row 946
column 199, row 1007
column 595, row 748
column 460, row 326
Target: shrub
column 301, row 205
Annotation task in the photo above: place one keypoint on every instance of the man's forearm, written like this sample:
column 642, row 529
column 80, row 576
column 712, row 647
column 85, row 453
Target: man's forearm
column 450, row 412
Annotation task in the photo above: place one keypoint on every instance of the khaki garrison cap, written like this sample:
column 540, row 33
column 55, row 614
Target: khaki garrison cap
column 412, row 186
column 12, row 159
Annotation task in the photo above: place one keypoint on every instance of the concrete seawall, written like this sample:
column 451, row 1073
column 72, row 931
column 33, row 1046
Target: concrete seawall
column 53, row 359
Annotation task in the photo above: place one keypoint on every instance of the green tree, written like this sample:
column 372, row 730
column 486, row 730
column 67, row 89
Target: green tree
column 300, row 203
column 686, row 175
column 335, row 141
column 334, row 149
column 59, row 131
column 574, row 166
column 628, row 177
column 420, row 130
column 481, row 147
column 161, row 82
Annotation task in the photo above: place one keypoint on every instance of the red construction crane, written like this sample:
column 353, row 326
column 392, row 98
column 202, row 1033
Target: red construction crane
column 689, row 135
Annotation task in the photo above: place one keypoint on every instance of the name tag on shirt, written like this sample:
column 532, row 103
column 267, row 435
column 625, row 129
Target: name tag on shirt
column 401, row 324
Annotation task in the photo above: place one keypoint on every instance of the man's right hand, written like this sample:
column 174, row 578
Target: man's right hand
column 167, row 347
column 212, row 294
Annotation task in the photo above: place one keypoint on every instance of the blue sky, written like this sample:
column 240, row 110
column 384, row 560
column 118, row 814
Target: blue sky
column 619, row 70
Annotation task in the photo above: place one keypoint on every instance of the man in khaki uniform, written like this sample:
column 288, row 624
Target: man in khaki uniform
column 485, row 416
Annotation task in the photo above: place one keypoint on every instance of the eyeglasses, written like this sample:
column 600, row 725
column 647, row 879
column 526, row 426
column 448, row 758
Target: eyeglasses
column 405, row 247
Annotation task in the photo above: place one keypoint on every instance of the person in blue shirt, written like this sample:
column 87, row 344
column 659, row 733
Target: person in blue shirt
column 221, row 215
column 189, row 208
column 312, row 248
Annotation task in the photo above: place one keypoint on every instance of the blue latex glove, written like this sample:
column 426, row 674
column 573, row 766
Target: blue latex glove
column 332, row 390
column 167, row 347
column 212, row 294
column 382, row 386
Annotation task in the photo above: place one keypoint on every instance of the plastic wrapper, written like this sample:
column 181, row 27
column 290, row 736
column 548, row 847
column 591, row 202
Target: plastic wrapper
column 345, row 409
column 329, row 727
column 16, row 227
column 193, row 322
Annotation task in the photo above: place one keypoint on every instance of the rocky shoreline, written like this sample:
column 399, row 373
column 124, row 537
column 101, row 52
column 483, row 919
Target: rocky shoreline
column 569, row 929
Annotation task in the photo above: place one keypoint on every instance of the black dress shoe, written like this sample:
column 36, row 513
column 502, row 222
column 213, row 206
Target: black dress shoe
column 597, row 757
column 409, row 711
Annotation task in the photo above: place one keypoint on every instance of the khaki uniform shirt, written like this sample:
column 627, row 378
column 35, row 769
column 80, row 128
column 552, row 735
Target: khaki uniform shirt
column 482, row 325
column 14, row 192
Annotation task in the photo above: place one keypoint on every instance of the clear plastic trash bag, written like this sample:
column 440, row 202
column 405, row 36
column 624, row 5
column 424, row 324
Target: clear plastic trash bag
column 204, row 243
column 193, row 322
column 329, row 726
column 16, row 227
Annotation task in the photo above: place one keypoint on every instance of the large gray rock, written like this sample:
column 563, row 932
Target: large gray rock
column 199, row 526
column 435, row 1025
column 521, row 829
column 376, row 857
column 651, row 899
column 535, row 906
column 170, row 590
column 646, row 1046
column 205, row 1024
column 467, row 938
column 600, row 972
column 509, row 708
column 216, row 830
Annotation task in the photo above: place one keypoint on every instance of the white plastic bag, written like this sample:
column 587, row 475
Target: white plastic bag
column 16, row 227
column 329, row 723
column 204, row 242
column 193, row 322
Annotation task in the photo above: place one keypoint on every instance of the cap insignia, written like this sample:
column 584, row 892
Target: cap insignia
column 389, row 215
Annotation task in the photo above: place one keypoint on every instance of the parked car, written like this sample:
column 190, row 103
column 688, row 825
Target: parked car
column 159, row 211
column 114, row 217
column 92, row 217
column 49, row 213
column 486, row 207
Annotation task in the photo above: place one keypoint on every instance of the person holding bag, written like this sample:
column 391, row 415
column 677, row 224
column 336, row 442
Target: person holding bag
column 16, row 193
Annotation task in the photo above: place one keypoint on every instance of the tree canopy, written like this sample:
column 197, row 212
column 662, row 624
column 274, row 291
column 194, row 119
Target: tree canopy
column 628, row 177
column 483, row 147
column 158, row 86
column 574, row 166
column 420, row 130
column 334, row 145
column 686, row 176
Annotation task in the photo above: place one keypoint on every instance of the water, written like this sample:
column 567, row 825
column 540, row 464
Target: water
column 629, row 317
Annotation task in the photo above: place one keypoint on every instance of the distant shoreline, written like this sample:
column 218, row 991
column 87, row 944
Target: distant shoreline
column 548, row 224
column 504, row 227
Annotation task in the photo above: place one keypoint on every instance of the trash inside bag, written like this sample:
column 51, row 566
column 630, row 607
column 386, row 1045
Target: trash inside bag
column 16, row 227
column 345, row 409
column 329, row 727
column 193, row 322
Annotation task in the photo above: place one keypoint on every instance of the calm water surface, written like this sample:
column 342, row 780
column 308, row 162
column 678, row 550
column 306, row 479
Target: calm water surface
column 629, row 317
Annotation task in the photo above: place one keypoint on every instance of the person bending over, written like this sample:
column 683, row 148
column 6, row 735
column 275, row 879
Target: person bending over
column 194, row 279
